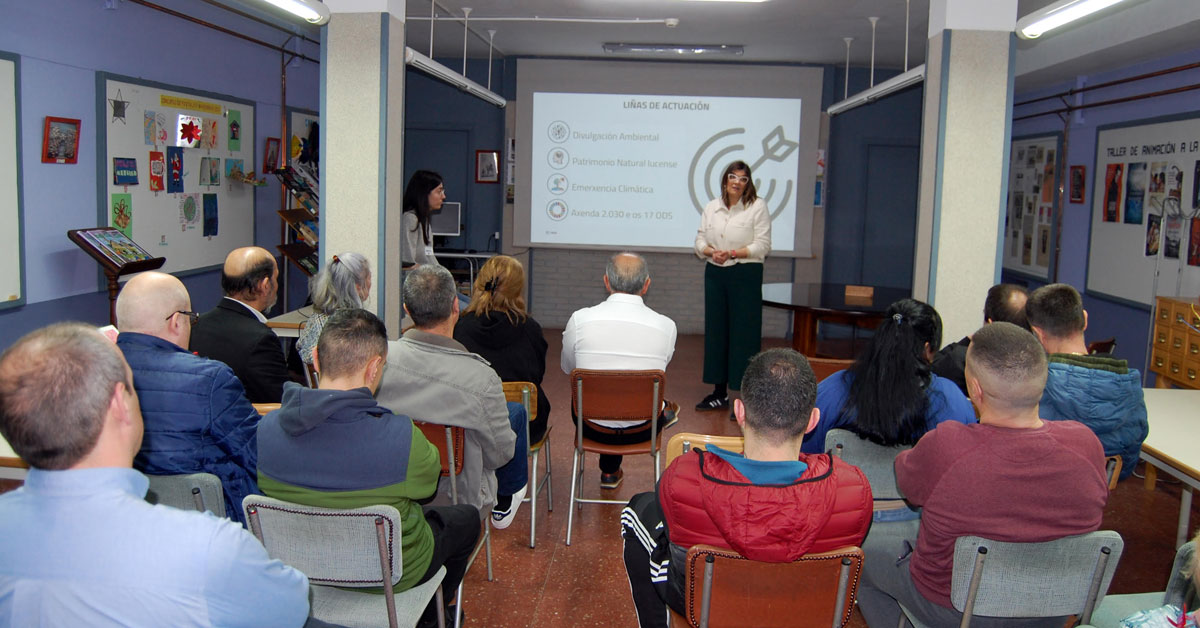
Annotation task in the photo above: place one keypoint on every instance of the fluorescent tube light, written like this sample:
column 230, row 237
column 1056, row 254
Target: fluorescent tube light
column 894, row 84
column 438, row 71
column 1058, row 14
column 675, row 49
column 311, row 11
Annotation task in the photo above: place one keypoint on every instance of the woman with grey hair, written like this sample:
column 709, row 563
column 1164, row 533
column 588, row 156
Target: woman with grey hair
column 345, row 282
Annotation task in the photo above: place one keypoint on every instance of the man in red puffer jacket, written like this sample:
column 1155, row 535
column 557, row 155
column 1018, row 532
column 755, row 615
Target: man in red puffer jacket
column 770, row 504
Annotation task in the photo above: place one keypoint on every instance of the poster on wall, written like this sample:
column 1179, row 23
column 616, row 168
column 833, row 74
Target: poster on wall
column 1144, row 212
column 1029, row 221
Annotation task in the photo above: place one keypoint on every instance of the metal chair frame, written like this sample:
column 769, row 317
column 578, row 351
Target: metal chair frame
column 526, row 395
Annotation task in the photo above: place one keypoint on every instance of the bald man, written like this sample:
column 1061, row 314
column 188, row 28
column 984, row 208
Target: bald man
column 195, row 410
column 622, row 333
column 236, row 333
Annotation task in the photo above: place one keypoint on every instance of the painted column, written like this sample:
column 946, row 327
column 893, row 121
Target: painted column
column 964, row 157
column 362, row 144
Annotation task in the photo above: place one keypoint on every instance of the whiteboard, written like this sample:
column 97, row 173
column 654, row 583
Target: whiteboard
column 1145, row 210
column 195, row 224
column 12, row 281
column 1030, row 227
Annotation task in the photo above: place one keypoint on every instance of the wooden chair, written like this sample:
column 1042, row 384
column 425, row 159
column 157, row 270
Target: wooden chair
column 1102, row 347
column 824, row 367
column 525, row 393
column 265, row 408
column 193, row 491
column 1067, row 576
column 613, row 396
column 684, row 442
column 337, row 549
column 450, row 442
column 1112, row 468
column 723, row 588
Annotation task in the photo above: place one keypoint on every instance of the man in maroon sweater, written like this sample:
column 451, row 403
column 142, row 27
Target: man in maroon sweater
column 1011, row 477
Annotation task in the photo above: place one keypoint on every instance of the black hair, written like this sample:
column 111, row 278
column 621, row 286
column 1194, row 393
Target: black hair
column 247, row 282
column 999, row 306
column 887, row 400
column 1057, row 309
column 416, row 198
column 350, row 338
column 779, row 390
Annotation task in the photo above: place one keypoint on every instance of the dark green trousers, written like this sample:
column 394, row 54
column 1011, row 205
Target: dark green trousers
column 732, row 321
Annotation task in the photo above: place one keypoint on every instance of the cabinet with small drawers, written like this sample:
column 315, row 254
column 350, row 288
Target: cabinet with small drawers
column 1175, row 357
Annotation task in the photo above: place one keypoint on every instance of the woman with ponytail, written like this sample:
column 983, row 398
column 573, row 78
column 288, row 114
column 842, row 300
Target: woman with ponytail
column 889, row 396
column 496, row 326
column 345, row 282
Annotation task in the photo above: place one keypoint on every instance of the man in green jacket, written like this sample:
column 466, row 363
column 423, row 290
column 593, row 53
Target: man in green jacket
column 335, row 447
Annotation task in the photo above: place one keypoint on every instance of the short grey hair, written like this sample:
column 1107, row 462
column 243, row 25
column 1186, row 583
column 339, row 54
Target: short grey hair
column 429, row 294
column 336, row 286
column 1010, row 364
column 55, row 387
column 628, row 277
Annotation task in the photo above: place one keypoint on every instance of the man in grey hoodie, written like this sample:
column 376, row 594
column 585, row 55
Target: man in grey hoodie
column 335, row 447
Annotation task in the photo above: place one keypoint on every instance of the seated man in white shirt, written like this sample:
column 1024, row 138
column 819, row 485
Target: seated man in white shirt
column 620, row 334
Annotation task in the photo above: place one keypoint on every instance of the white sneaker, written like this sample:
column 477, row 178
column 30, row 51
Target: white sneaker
column 503, row 518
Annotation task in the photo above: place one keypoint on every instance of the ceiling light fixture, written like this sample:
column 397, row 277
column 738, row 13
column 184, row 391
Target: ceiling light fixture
column 311, row 11
column 1058, row 14
column 726, row 0
column 420, row 62
column 892, row 85
column 676, row 49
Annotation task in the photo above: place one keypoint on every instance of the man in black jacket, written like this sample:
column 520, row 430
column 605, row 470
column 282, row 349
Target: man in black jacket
column 236, row 333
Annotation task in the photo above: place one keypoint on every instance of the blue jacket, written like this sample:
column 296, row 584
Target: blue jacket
column 196, row 416
column 1104, row 394
column 946, row 403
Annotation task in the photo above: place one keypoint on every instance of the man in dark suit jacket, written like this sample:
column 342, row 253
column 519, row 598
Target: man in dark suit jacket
column 235, row 332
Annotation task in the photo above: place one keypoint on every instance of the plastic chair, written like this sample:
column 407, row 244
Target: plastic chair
column 311, row 377
column 1114, row 608
column 525, row 393
column 684, row 442
column 876, row 461
column 344, row 548
column 824, row 367
column 619, row 396
column 1067, row 576
column 723, row 588
column 192, row 491
column 450, row 442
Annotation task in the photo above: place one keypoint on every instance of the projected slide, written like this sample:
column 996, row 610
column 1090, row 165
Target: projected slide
column 636, row 170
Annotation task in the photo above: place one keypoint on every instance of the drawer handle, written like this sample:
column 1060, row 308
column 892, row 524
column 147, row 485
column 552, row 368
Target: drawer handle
column 1177, row 343
column 1193, row 348
column 1175, row 368
column 1158, row 361
column 1191, row 374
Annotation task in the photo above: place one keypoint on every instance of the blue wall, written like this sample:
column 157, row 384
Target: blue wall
column 1106, row 318
column 62, row 44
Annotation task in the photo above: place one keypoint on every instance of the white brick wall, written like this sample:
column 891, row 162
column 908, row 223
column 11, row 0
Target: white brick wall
column 566, row 280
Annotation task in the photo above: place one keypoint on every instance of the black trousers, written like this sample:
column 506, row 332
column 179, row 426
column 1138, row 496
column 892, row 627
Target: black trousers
column 455, row 533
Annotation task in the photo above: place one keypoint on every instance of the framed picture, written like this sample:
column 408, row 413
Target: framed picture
column 271, row 155
column 487, row 166
column 1078, row 177
column 60, row 141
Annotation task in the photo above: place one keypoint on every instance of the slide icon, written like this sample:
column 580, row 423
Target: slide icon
column 775, row 147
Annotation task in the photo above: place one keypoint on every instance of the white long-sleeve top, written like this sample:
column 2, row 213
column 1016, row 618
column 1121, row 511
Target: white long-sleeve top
column 728, row 228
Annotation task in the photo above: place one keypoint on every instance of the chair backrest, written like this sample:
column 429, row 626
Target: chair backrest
column 449, row 442
column 1181, row 575
column 193, row 491
column 332, row 547
column 1102, row 347
column 684, row 442
column 266, row 408
column 524, row 393
column 1067, row 576
column 617, row 395
column 876, row 461
column 723, row 588
column 824, row 367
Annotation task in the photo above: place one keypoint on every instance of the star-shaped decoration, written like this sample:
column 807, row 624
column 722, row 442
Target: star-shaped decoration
column 118, row 107
column 190, row 132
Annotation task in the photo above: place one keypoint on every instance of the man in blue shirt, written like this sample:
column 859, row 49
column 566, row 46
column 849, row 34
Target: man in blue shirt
column 79, row 545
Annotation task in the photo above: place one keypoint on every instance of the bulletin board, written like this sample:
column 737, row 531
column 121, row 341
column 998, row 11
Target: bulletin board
column 1145, row 211
column 300, row 123
column 1030, row 228
column 173, row 163
column 12, row 244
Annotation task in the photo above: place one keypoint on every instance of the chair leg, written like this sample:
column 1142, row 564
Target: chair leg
column 574, row 487
column 579, row 480
column 441, row 607
column 458, row 607
column 533, row 501
column 549, row 478
column 487, row 542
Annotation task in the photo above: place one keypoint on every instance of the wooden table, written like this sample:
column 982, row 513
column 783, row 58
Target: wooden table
column 1171, row 445
column 811, row 303
column 287, row 325
column 11, row 466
